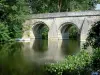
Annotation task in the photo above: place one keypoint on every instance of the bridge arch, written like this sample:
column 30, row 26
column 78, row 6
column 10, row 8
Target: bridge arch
column 64, row 28
column 38, row 28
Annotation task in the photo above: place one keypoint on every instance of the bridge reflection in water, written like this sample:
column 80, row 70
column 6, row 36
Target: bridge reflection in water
column 46, row 51
column 28, row 58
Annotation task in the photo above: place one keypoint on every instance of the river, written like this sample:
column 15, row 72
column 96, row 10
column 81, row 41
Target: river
column 28, row 58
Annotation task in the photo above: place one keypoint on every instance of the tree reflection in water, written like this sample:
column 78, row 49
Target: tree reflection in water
column 26, row 59
column 70, row 47
column 40, row 45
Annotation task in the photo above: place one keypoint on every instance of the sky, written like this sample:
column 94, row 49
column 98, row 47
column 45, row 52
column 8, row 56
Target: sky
column 97, row 7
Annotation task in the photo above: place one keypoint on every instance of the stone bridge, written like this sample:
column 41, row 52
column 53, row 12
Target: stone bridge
column 59, row 23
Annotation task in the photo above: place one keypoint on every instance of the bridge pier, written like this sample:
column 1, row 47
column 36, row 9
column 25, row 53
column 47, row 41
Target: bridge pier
column 83, row 37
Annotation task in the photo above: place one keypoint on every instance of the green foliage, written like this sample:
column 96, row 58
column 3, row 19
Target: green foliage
column 98, row 1
column 73, row 32
column 95, row 64
column 12, row 15
column 93, row 38
column 45, row 30
column 4, row 34
column 44, row 6
column 71, row 63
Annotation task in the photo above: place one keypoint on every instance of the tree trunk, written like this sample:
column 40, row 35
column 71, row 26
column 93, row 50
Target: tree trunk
column 59, row 5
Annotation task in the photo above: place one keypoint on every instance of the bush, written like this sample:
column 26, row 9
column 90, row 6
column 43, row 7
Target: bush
column 95, row 64
column 73, row 63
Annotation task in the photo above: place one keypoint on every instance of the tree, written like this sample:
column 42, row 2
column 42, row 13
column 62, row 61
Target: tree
column 45, row 6
column 59, row 5
column 93, row 38
column 4, row 34
column 12, row 14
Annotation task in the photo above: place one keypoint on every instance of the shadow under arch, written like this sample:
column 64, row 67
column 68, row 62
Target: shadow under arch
column 38, row 30
column 70, row 47
column 40, row 45
column 64, row 28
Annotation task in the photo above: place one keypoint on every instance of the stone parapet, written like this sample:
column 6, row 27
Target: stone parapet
column 65, row 14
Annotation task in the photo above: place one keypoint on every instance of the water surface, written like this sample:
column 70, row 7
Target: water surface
column 28, row 58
